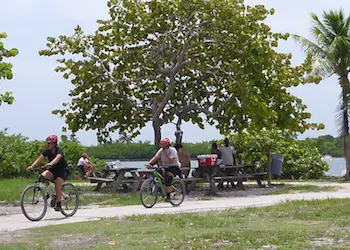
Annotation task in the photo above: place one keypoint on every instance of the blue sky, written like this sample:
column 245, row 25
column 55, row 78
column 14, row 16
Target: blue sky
column 38, row 89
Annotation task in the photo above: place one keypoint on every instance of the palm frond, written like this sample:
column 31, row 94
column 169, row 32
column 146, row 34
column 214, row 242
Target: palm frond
column 309, row 46
column 323, row 67
column 318, row 25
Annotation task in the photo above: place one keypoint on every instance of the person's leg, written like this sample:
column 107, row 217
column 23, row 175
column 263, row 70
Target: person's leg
column 169, row 176
column 58, row 187
column 47, row 175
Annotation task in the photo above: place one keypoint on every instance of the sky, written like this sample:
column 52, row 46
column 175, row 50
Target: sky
column 38, row 89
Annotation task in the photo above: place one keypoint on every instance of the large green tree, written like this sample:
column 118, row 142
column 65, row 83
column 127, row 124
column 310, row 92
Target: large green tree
column 6, row 69
column 331, row 50
column 194, row 60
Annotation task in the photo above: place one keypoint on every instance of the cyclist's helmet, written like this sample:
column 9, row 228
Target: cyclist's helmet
column 52, row 139
column 164, row 142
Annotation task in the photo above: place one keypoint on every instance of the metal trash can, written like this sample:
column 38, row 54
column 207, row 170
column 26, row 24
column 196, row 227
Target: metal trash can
column 276, row 164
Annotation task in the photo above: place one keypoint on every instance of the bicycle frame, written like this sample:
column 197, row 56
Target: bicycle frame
column 158, row 177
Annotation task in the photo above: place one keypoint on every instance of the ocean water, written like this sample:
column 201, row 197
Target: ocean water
column 337, row 165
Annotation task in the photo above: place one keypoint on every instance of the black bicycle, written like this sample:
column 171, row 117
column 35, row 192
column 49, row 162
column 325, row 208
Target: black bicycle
column 35, row 198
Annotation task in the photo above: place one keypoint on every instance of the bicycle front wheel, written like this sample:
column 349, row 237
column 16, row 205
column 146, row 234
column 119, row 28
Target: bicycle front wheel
column 70, row 200
column 149, row 193
column 33, row 203
column 178, row 194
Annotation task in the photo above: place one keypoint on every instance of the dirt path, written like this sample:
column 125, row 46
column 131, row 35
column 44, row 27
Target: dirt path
column 16, row 221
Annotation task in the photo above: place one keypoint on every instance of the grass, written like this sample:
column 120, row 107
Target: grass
column 291, row 225
column 287, row 189
column 11, row 190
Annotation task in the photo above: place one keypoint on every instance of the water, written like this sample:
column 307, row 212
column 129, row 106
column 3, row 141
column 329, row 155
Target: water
column 337, row 165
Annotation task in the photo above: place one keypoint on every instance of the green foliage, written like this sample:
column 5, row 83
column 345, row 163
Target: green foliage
column 140, row 151
column 6, row 69
column 158, row 60
column 301, row 158
column 329, row 145
column 18, row 154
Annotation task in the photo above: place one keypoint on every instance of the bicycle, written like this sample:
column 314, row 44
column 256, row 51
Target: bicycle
column 155, row 186
column 41, row 190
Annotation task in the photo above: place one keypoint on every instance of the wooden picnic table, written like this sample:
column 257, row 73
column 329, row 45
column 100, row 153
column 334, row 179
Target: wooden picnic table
column 209, row 173
column 118, row 177
column 240, row 173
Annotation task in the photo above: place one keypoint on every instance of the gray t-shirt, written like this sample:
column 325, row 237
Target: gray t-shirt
column 227, row 155
column 171, row 152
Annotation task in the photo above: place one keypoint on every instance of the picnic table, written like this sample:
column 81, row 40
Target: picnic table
column 119, row 176
column 240, row 173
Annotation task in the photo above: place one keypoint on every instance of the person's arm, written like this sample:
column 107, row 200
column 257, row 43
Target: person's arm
column 38, row 161
column 189, row 159
column 172, row 155
column 155, row 158
column 234, row 156
column 54, row 161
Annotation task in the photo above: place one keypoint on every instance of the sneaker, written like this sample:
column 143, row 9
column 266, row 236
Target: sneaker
column 58, row 207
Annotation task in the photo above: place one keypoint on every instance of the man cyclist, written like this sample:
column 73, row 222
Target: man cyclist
column 55, row 168
column 169, row 159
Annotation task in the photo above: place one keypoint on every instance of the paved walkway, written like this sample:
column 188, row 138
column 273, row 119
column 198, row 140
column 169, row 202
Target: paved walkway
column 18, row 221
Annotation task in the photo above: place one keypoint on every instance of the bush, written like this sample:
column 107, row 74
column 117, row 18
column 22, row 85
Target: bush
column 301, row 158
column 17, row 154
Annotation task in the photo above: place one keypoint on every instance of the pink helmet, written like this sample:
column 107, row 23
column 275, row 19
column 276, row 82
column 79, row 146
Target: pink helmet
column 164, row 142
column 52, row 139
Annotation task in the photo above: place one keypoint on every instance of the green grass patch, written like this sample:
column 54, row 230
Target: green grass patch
column 11, row 189
column 318, row 224
column 288, row 189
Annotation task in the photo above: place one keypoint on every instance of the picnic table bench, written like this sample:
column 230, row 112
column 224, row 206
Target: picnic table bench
column 240, row 173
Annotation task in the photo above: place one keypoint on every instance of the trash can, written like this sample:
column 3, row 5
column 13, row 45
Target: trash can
column 276, row 164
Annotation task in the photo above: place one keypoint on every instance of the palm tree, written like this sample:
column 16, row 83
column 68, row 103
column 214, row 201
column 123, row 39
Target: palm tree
column 331, row 51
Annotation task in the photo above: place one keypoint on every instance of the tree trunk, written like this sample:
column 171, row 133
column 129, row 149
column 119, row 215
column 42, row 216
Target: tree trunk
column 345, row 92
column 157, row 132
column 178, row 132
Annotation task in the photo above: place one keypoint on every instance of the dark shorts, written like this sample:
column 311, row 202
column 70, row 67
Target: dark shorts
column 59, row 172
column 175, row 170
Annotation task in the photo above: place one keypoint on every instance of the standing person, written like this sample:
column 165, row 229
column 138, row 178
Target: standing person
column 184, row 158
column 228, row 159
column 228, row 154
column 56, row 167
column 169, row 163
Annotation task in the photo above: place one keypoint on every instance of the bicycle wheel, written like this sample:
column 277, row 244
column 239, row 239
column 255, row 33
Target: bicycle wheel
column 149, row 193
column 33, row 203
column 70, row 200
column 178, row 196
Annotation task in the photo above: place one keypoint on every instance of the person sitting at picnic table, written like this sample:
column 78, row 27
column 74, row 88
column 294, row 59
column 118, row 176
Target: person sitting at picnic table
column 169, row 164
column 216, row 151
column 85, row 165
column 184, row 158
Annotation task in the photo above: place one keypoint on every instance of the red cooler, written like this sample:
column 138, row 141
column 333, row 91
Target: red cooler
column 207, row 160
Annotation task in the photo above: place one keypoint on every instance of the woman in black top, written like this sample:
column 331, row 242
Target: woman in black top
column 56, row 167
